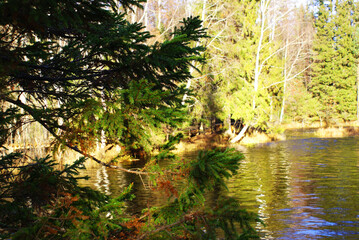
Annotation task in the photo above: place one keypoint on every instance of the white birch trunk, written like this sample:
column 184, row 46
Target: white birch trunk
column 134, row 15
column 284, row 84
column 103, row 134
column 229, row 130
column 144, row 17
column 189, row 81
column 259, row 48
column 22, row 136
column 240, row 134
column 283, row 103
column 262, row 11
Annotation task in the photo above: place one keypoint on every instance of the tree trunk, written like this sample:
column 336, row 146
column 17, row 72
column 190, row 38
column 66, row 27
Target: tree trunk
column 358, row 91
column 271, row 109
column 241, row 134
column 229, row 123
column 134, row 15
column 256, row 70
column 144, row 17
column 189, row 82
column 285, row 82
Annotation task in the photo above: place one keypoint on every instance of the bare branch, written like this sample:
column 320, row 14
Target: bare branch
column 289, row 79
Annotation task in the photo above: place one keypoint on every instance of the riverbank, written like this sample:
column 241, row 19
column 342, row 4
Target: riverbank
column 317, row 125
column 201, row 141
column 212, row 140
column 339, row 130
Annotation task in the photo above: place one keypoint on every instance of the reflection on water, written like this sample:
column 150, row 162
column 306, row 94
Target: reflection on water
column 113, row 182
column 303, row 188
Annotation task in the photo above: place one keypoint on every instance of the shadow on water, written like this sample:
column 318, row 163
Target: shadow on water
column 303, row 188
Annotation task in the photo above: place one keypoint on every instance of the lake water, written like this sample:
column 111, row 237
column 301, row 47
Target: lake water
column 303, row 188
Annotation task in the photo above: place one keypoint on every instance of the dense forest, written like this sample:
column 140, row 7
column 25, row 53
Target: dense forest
column 135, row 76
column 275, row 62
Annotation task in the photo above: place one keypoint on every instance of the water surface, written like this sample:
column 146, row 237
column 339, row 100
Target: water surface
column 303, row 188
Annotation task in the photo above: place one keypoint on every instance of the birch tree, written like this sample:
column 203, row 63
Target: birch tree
column 267, row 63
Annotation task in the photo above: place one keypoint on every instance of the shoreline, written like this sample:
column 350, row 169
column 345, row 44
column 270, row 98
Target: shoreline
column 207, row 140
column 212, row 140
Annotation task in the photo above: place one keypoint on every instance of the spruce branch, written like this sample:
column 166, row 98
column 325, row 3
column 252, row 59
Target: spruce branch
column 75, row 148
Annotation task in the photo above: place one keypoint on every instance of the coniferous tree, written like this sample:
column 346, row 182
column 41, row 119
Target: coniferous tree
column 237, row 86
column 347, row 63
column 80, row 70
column 334, row 68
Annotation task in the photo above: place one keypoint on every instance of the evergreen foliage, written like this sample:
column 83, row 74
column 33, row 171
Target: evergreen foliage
column 39, row 201
column 189, row 212
column 81, row 70
column 84, row 70
column 333, row 80
column 302, row 107
column 228, row 90
column 214, row 166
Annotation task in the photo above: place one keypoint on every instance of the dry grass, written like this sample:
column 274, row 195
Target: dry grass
column 257, row 137
column 337, row 132
column 207, row 141
column 341, row 129
column 199, row 142
column 296, row 125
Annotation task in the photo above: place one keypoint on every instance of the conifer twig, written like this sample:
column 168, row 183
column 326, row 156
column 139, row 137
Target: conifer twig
column 162, row 228
column 76, row 149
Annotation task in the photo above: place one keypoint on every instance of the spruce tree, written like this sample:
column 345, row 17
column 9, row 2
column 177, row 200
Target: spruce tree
column 346, row 67
column 334, row 68
column 230, row 87
column 81, row 70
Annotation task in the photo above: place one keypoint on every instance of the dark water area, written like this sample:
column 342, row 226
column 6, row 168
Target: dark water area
column 302, row 188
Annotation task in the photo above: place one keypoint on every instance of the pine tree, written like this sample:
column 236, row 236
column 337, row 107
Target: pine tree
column 334, row 68
column 347, row 64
